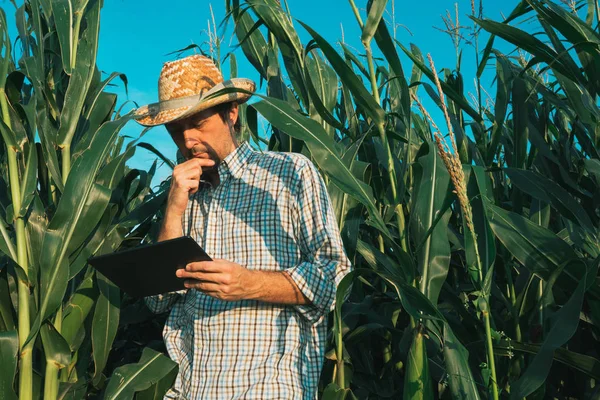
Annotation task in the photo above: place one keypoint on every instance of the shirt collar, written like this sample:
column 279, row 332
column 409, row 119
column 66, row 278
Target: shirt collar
column 235, row 161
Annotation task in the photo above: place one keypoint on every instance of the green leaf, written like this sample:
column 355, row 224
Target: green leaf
column 78, row 212
column 522, row 8
column 37, row 222
column 158, row 153
column 563, row 328
column 460, row 101
column 334, row 392
column 322, row 85
column 373, row 19
column 158, row 390
column 530, row 44
column 280, row 25
column 343, row 291
column 63, row 17
column 77, row 309
column 537, row 248
column 322, row 148
column 7, row 320
column 479, row 188
column 362, row 96
column 131, row 378
column 593, row 168
column 56, row 349
column 29, row 181
column 580, row 362
column 415, row 303
column 544, row 189
column 417, row 382
column 102, row 111
column 8, row 135
column 7, row 245
column 9, row 348
column 503, row 90
column 401, row 272
column 82, row 74
column 252, row 42
column 521, row 110
column 456, row 359
column 105, row 322
column 430, row 191
column 47, row 134
column 93, row 97
column 397, row 78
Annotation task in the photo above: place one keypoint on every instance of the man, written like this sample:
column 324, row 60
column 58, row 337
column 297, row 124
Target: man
column 252, row 323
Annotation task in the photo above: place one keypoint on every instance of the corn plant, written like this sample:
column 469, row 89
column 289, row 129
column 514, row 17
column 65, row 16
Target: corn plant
column 66, row 194
column 475, row 245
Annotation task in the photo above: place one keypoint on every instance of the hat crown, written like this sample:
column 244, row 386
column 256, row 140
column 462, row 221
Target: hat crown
column 189, row 76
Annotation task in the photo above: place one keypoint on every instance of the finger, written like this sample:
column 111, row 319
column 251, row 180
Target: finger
column 199, row 162
column 205, row 287
column 192, row 185
column 189, row 173
column 202, row 276
column 204, row 266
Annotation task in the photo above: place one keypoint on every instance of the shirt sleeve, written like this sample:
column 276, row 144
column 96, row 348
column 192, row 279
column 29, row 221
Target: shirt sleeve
column 163, row 302
column 323, row 260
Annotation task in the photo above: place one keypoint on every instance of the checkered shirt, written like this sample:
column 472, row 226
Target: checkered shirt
column 270, row 212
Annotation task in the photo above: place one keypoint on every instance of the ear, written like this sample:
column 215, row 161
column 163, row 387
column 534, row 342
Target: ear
column 233, row 113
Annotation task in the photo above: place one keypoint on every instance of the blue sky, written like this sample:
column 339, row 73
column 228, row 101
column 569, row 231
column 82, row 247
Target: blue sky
column 136, row 37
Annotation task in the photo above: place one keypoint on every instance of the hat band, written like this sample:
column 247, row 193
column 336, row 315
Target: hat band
column 188, row 101
column 172, row 104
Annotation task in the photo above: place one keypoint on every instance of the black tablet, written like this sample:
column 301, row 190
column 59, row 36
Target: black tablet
column 150, row 269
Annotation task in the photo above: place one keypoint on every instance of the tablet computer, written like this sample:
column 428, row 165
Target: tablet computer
column 150, row 269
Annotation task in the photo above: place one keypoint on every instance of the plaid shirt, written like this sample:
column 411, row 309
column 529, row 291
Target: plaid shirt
column 271, row 212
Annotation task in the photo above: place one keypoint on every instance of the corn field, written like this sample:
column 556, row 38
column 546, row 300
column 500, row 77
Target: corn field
column 474, row 236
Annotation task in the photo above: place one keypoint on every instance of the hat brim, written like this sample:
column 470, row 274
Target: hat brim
column 173, row 110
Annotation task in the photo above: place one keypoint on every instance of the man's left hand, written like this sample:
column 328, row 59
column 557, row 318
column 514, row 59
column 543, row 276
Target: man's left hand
column 222, row 279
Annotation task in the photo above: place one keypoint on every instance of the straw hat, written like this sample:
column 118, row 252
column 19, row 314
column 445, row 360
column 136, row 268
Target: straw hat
column 183, row 88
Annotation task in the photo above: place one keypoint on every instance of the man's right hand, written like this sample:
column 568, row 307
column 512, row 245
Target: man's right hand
column 186, row 180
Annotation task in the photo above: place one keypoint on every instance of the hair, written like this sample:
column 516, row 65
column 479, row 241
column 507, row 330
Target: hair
column 223, row 110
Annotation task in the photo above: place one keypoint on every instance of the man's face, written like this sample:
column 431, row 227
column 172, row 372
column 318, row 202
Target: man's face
column 204, row 135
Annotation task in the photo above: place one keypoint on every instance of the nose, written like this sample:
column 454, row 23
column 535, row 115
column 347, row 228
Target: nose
column 189, row 137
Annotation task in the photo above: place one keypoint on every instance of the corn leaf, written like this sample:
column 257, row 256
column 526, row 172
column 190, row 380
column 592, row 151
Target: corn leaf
column 537, row 248
column 373, row 20
column 105, row 322
column 361, row 95
column 417, row 382
column 563, row 328
column 430, row 191
column 63, row 17
column 456, row 359
column 81, row 77
column 132, row 378
column 9, row 348
column 78, row 212
column 56, row 348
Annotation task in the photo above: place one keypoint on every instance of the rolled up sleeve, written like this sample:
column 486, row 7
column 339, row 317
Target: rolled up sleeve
column 323, row 260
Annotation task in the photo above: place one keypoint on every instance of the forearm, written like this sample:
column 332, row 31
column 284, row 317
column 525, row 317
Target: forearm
column 171, row 226
column 275, row 287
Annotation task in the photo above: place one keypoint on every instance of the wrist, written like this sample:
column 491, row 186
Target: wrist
column 256, row 285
